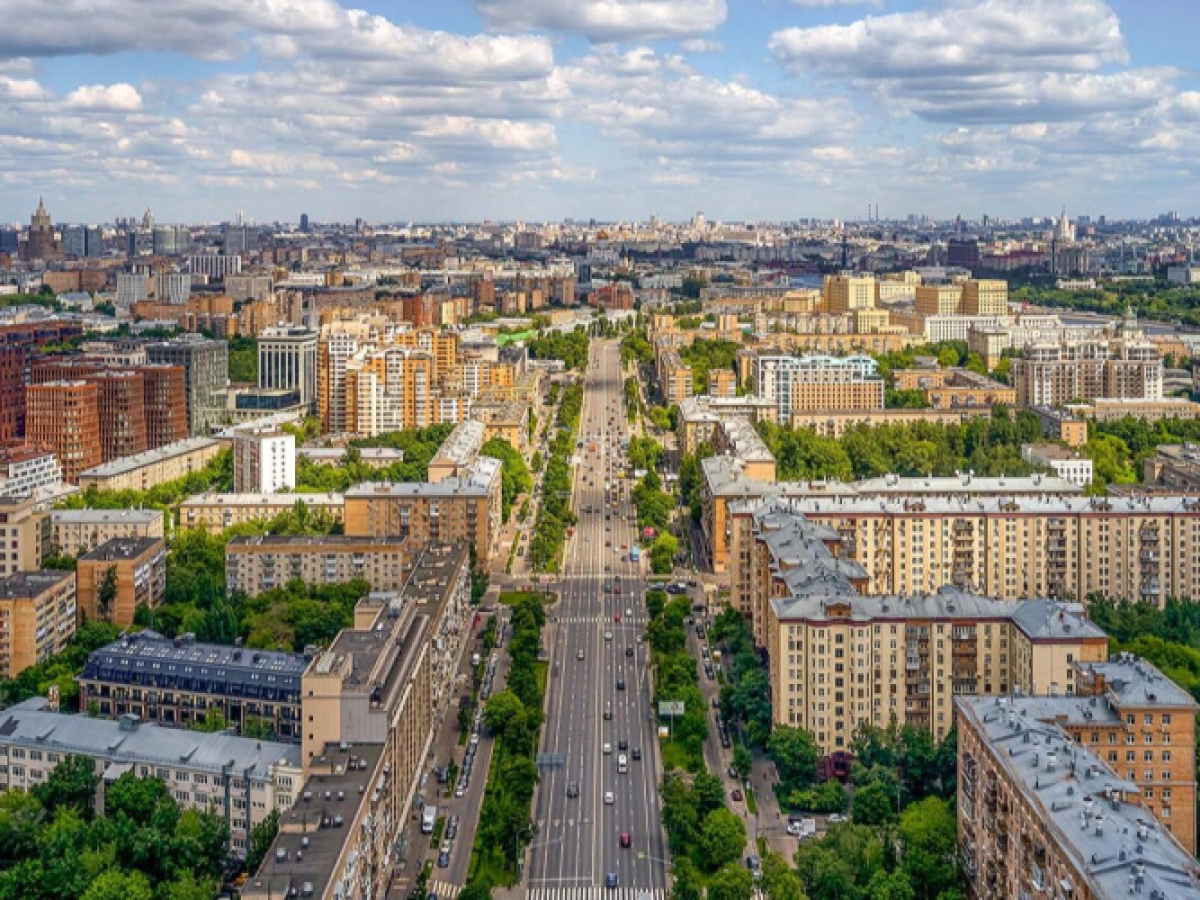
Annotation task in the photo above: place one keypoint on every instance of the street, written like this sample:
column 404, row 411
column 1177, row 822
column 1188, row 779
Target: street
column 576, row 853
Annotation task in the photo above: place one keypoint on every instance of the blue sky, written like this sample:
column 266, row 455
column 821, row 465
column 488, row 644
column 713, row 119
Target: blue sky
column 615, row 109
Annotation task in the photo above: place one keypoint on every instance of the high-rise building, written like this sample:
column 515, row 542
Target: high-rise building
column 166, row 417
column 64, row 417
column 74, row 241
column 121, row 409
column 938, row 299
column 304, row 222
column 1126, row 367
column 808, row 383
column 984, row 297
column 264, row 460
column 205, row 364
column 12, row 395
column 287, row 360
column 170, row 240
column 214, row 265
column 41, row 242
column 132, row 287
column 389, row 389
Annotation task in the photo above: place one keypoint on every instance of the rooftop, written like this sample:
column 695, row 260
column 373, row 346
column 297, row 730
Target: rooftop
column 266, row 500
column 1120, row 848
column 119, row 548
column 312, row 834
column 286, row 541
column 462, row 444
column 31, row 584
column 31, row 724
column 133, row 651
column 103, row 516
column 159, row 454
column 477, row 482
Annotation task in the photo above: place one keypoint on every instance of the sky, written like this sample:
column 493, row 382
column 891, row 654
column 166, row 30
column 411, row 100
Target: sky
column 441, row 110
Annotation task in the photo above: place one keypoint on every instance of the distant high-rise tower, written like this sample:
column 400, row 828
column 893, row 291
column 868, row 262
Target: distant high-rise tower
column 41, row 243
column 304, row 222
column 147, row 219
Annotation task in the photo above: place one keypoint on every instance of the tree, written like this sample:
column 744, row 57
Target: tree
column 135, row 798
column 72, row 785
column 213, row 721
column 662, row 554
column 20, row 816
column 743, row 761
column 686, row 881
column 722, row 838
column 731, row 883
column 795, row 755
column 475, row 891
column 928, row 829
column 261, row 837
column 709, row 791
column 117, row 884
column 873, row 805
column 779, row 881
column 107, row 593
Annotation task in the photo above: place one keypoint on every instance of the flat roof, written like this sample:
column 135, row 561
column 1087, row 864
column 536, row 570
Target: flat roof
column 284, row 541
column 477, row 482
column 118, row 548
column 159, row 454
column 103, row 516
column 269, row 500
column 314, row 831
column 1121, row 843
column 31, row 584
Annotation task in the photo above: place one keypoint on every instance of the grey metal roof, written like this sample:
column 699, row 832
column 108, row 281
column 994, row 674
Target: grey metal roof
column 1137, row 682
column 478, row 481
column 104, row 516
column 159, row 454
column 1113, row 841
column 29, row 725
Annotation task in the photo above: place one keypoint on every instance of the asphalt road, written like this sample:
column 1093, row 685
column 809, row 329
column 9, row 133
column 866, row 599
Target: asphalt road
column 578, row 840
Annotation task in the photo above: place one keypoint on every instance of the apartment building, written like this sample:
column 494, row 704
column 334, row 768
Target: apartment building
column 674, row 378
column 817, row 383
column 984, row 297
column 462, row 507
column 241, row 779
column 63, row 417
column 216, row 512
column 845, row 293
column 205, row 365
column 257, row 564
column 139, row 578
column 951, row 388
column 1174, row 467
column 700, row 417
column 838, row 659
column 507, row 420
column 174, row 682
column 1113, row 409
column 154, row 467
column 25, row 469
column 37, row 618
column 1039, row 813
column 24, row 534
column 722, row 383
column 1125, row 367
column 76, row 531
column 938, row 299
column 389, row 389
column 12, row 395
column 264, row 460
column 376, row 694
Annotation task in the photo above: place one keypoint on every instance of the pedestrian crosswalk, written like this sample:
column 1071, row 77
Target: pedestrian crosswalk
column 445, row 891
column 600, row 620
column 594, row 892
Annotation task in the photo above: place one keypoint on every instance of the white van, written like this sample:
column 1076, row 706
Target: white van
column 622, row 764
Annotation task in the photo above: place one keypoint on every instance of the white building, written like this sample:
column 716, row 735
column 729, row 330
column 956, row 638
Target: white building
column 1068, row 464
column 131, row 288
column 775, row 376
column 264, row 460
column 287, row 360
column 24, row 470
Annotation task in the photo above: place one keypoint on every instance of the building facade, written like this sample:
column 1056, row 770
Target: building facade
column 119, row 576
column 37, row 618
column 257, row 564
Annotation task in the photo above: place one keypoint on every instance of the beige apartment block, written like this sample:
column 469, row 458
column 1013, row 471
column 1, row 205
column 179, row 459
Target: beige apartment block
column 216, row 512
column 845, row 293
column 24, row 533
column 152, row 468
column 76, row 531
column 257, row 564
column 139, row 565
column 984, row 297
column 37, row 618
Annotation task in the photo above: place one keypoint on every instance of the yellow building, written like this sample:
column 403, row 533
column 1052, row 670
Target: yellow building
column 37, row 618
column 721, row 383
column 152, row 468
column 938, row 299
column 674, row 378
column 216, row 512
column 984, row 297
column 76, row 531
column 844, row 293
column 25, row 533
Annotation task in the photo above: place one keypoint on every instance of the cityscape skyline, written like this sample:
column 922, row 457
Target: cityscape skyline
column 507, row 110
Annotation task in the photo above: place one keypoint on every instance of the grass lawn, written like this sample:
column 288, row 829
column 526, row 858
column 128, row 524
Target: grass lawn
column 675, row 756
column 751, row 801
column 542, row 668
column 511, row 598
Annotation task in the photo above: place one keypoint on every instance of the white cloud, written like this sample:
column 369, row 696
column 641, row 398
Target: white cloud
column 105, row 98
column 832, row 4
column 980, row 61
column 604, row 21
column 700, row 45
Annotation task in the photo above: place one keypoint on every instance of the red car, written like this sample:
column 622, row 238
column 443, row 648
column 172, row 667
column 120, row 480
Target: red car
column 625, row 839
column 735, row 794
column 616, row 618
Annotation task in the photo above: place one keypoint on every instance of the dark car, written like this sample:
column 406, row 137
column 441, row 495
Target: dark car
column 637, row 753
column 620, row 684
column 610, row 880
column 736, row 794
column 629, row 651
column 443, row 860
column 573, row 789
column 622, row 744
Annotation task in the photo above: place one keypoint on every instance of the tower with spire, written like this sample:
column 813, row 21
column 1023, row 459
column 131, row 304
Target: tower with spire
column 41, row 243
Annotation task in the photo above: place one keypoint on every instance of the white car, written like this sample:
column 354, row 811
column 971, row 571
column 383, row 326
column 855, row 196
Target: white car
column 607, row 749
column 609, row 799
column 608, row 635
